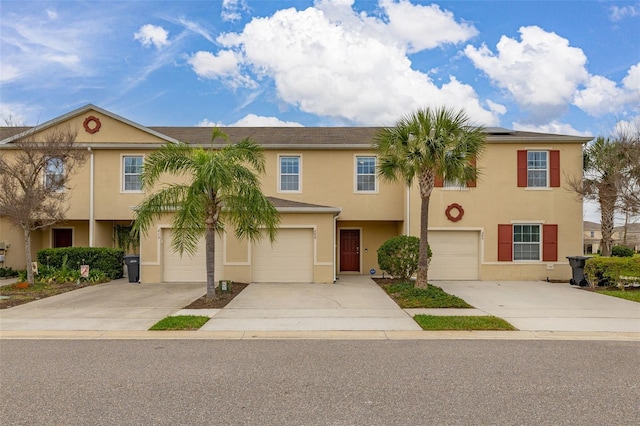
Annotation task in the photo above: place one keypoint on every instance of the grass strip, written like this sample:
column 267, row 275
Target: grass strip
column 633, row 295
column 181, row 322
column 432, row 322
column 408, row 296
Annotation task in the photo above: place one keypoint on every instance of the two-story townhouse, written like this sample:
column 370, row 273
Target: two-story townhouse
column 517, row 222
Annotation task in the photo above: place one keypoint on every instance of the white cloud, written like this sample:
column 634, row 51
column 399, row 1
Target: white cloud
column 152, row 34
column 496, row 107
column 619, row 13
column 208, row 123
column 252, row 120
column 553, row 127
column 33, row 46
column 196, row 28
column 52, row 14
column 231, row 9
column 600, row 96
column 632, row 79
column 224, row 66
column 424, row 27
column 8, row 72
column 330, row 61
column 541, row 71
column 603, row 96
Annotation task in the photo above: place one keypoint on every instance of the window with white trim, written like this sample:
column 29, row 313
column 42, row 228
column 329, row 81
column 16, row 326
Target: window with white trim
column 132, row 173
column 54, row 175
column 526, row 242
column 290, row 173
column 537, row 166
column 365, row 174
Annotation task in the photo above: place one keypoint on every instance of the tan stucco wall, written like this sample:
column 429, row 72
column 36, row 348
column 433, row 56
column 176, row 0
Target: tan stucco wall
column 328, row 179
column 498, row 200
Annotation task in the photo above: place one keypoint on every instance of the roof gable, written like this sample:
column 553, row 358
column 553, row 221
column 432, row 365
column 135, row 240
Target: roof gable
column 93, row 126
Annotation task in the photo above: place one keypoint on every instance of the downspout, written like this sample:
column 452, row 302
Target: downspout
column 335, row 246
column 408, row 212
column 91, row 199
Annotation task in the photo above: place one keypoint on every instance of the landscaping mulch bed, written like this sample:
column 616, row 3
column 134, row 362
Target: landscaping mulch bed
column 224, row 298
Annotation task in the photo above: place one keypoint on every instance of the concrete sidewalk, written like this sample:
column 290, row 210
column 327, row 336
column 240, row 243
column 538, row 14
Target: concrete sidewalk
column 543, row 306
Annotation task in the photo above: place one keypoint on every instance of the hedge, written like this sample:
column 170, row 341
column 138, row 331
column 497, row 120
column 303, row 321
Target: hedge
column 108, row 260
column 399, row 256
column 606, row 271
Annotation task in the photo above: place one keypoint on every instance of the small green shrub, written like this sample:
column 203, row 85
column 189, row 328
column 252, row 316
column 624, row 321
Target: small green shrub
column 606, row 271
column 108, row 260
column 8, row 272
column 621, row 251
column 399, row 256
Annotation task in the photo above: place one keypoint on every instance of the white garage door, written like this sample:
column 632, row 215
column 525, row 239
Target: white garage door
column 187, row 268
column 456, row 255
column 289, row 259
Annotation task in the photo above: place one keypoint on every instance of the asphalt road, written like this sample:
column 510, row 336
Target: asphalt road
column 316, row 382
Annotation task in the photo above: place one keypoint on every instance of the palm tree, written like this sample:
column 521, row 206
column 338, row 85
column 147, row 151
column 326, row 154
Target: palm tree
column 425, row 145
column 606, row 168
column 221, row 185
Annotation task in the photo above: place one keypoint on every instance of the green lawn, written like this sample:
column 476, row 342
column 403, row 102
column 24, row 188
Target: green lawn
column 181, row 322
column 633, row 295
column 407, row 296
column 432, row 322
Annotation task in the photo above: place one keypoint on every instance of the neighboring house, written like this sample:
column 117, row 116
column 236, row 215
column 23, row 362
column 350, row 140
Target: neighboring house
column 517, row 222
column 592, row 237
column 628, row 236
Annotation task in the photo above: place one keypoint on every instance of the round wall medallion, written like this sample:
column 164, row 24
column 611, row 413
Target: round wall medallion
column 91, row 124
column 454, row 212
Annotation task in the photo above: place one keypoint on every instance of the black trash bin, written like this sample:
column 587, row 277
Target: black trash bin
column 577, row 266
column 133, row 267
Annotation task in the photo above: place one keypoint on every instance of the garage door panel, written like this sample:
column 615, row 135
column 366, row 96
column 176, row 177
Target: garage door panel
column 289, row 259
column 456, row 255
column 187, row 268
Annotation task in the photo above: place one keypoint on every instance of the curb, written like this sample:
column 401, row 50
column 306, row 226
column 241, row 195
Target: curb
column 319, row 335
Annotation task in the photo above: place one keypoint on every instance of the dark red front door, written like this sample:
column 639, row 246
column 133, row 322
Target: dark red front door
column 350, row 250
column 62, row 238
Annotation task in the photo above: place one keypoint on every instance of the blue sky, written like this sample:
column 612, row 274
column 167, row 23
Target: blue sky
column 570, row 67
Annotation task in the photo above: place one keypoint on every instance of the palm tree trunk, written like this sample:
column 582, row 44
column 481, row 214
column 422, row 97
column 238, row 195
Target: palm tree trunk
column 423, row 258
column 607, row 209
column 426, row 181
column 210, row 248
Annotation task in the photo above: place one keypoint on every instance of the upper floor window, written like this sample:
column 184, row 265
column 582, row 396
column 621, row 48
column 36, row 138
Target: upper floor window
column 290, row 173
column 592, row 234
column 366, row 174
column 539, row 169
column 132, row 173
column 54, row 175
column 536, row 168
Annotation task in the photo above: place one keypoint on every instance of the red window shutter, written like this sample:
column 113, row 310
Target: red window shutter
column 439, row 182
column 472, row 183
column 505, row 245
column 522, row 169
column 554, row 169
column 549, row 243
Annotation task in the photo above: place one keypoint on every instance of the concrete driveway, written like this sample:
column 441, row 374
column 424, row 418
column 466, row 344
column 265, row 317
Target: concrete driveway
column 542, row 306
column 354, row 302
column 117, row 305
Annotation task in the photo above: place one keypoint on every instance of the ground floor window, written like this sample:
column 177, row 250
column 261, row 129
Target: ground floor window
column 526, row 242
